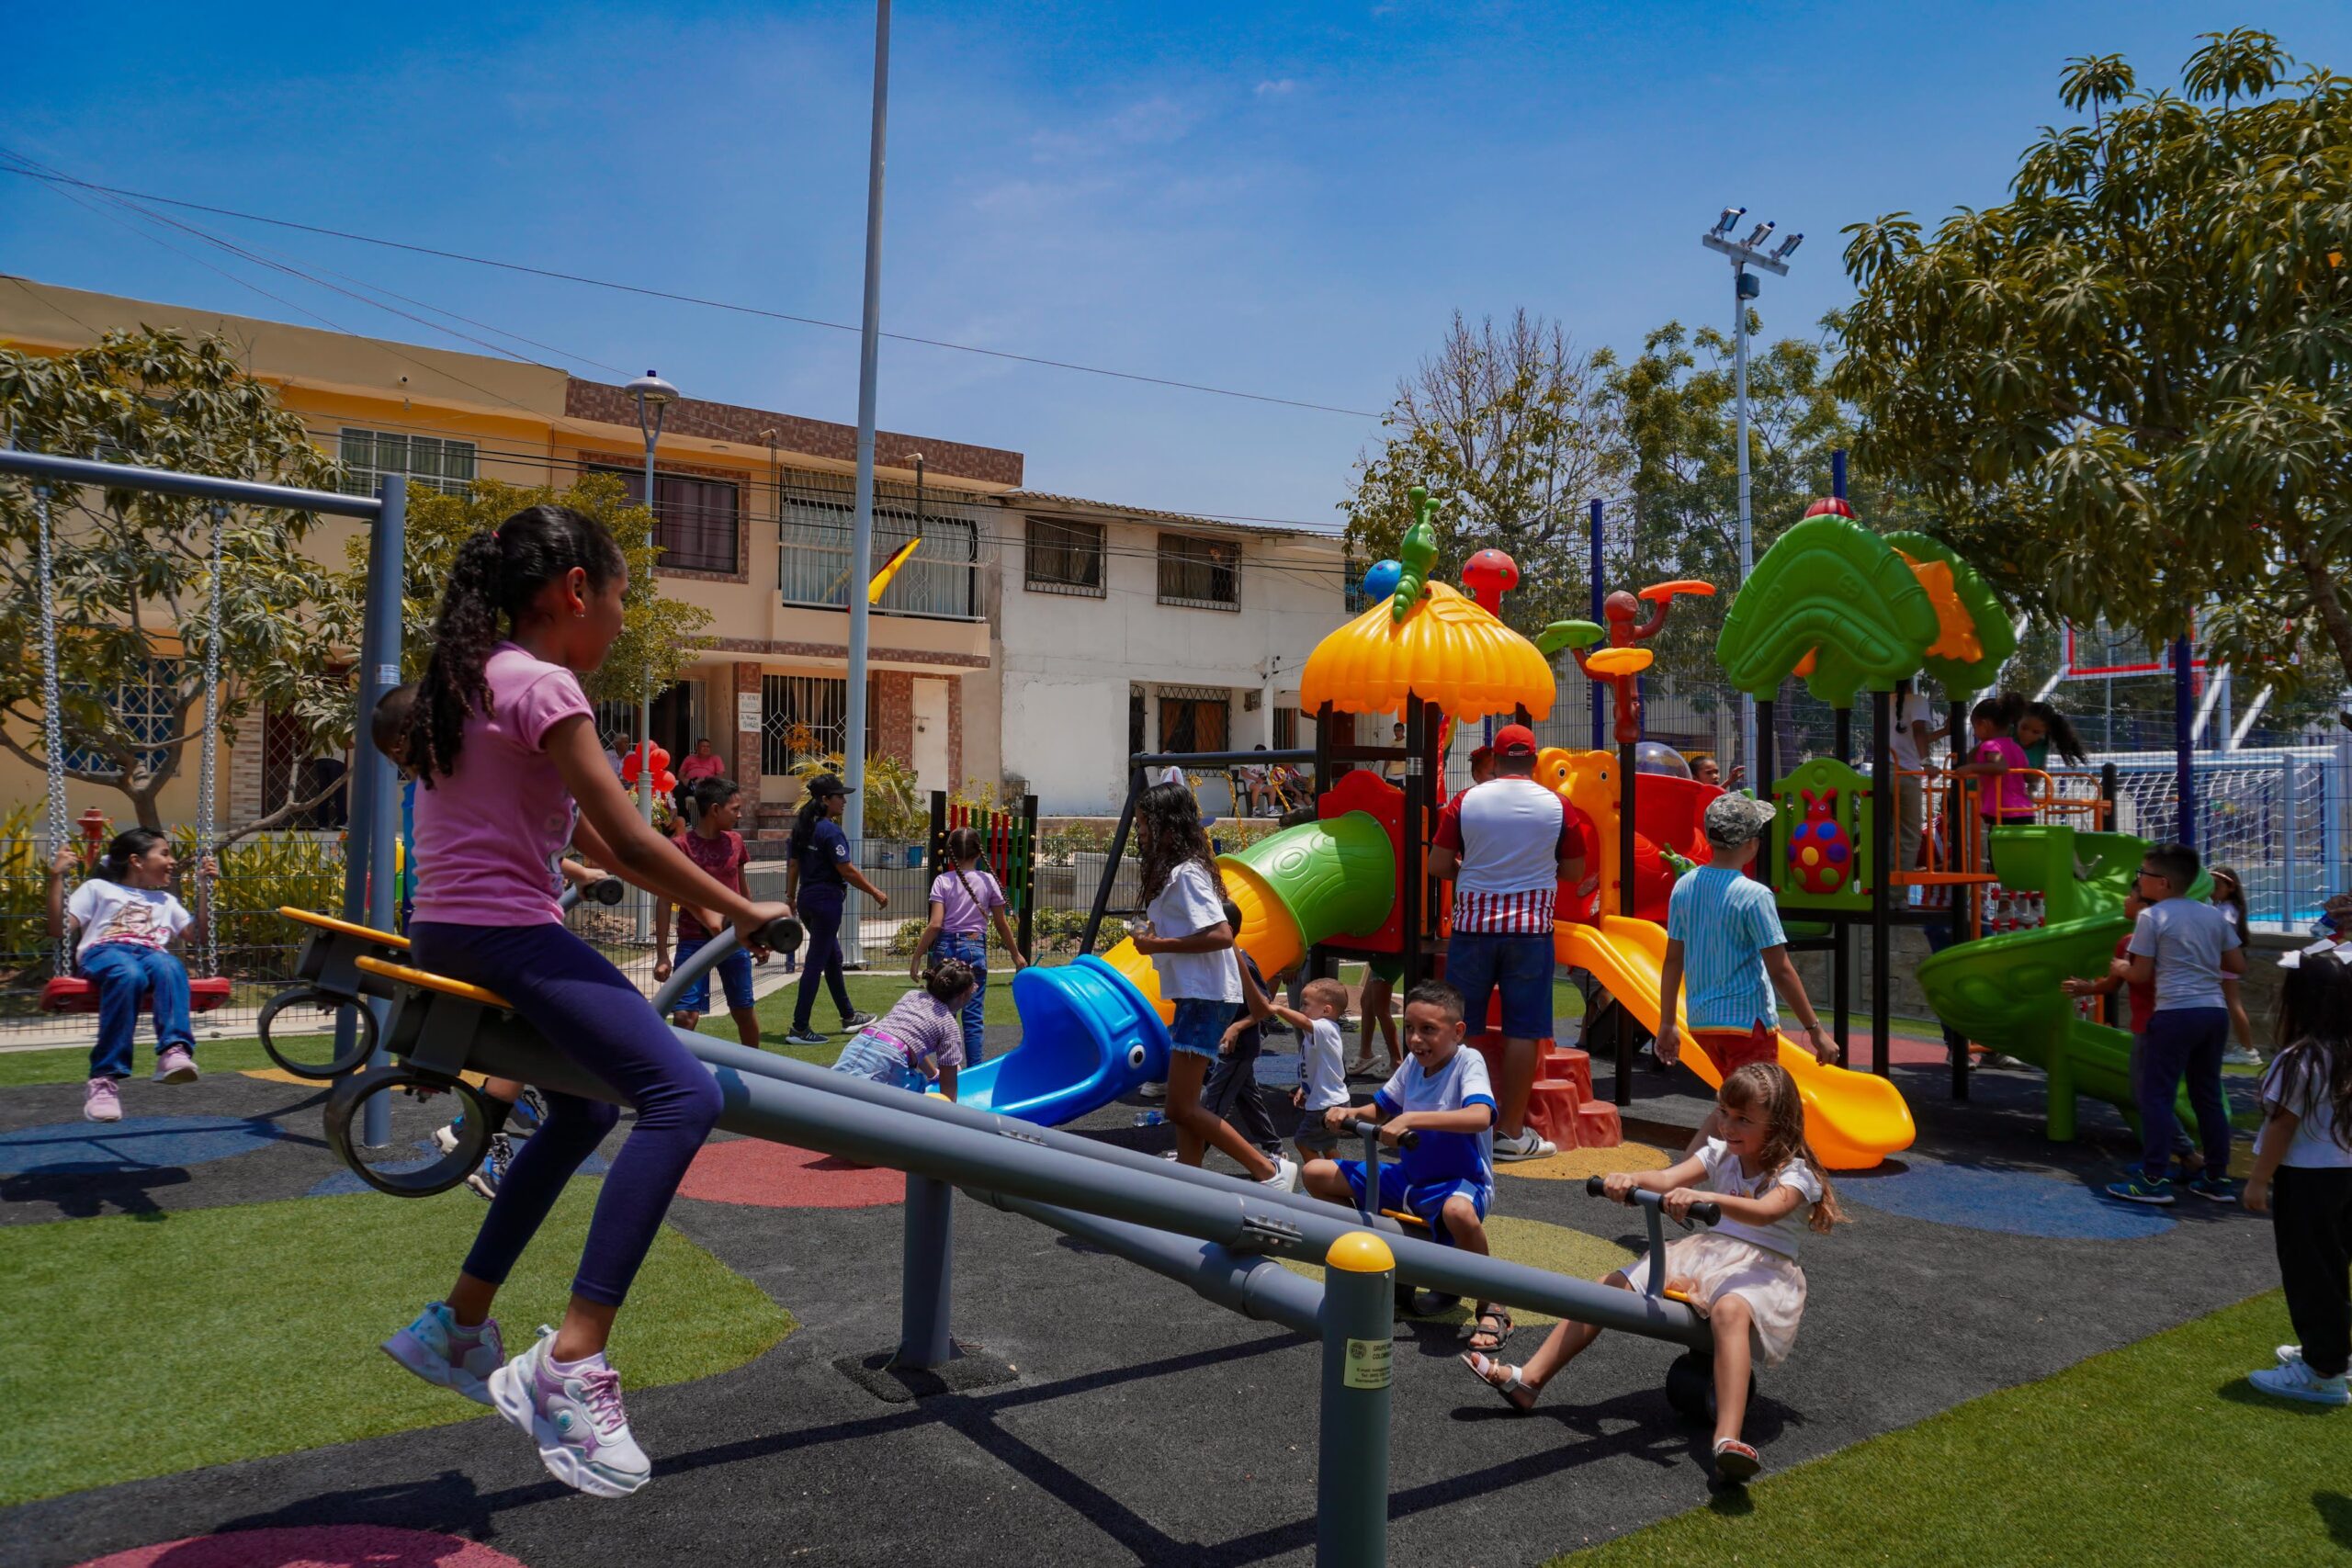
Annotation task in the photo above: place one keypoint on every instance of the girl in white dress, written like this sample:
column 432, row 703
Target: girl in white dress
column 1741, row 1273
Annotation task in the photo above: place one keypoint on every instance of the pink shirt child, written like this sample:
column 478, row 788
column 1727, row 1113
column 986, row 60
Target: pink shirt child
column 489, row 835
column 2015, row 800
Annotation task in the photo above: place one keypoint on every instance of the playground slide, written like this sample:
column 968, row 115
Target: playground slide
column 1852, row 1120
column 1096, row 1029
column 2002, row 991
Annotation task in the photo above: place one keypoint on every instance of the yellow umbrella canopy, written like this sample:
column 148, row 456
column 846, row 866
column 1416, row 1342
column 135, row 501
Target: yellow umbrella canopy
column 1448, row 651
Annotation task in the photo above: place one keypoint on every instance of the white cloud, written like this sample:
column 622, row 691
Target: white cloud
column 1273, row 88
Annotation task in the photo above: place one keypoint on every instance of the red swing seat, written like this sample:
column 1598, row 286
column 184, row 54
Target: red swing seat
column 71, row 993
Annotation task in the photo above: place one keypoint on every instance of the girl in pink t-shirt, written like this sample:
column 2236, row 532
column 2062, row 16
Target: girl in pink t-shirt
column 2003, row 799
column 503, row 743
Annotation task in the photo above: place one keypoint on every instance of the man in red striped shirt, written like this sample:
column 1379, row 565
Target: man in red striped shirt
column 1506, row 845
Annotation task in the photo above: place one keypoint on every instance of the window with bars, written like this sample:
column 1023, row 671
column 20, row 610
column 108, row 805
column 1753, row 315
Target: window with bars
column 432, row 461
column 696, row 520
column 1286, row 729
column 813, row 548
column 1064, row 558
column 802, row 716
column 145, row 703
column 1205, row 574
column 1351, row 597
column 1195, row 718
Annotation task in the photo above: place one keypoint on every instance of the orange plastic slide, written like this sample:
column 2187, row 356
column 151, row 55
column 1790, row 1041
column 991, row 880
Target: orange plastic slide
column 1852, row 1120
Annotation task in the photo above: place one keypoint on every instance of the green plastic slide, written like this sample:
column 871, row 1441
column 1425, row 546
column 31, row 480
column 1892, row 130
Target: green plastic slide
column 2002, row 991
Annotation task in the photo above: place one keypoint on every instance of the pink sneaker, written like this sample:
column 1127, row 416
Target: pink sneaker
column 103, row 1102
column 175, row 1064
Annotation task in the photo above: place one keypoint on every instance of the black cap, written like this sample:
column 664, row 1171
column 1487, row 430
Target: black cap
column 825, row 784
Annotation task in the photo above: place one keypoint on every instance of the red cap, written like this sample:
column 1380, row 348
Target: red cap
column 1514, row 740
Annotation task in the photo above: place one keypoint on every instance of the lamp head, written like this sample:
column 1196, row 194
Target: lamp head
column 651, row 390
column 1788, row 247
column 1757, row 235
column 1731, row 214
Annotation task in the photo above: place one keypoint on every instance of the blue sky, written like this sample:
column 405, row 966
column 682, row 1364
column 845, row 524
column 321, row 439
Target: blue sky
column 1281, row 198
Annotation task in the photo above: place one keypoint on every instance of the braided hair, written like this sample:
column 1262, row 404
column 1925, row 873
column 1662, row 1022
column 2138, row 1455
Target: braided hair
column 489, row 591
column 965, row 844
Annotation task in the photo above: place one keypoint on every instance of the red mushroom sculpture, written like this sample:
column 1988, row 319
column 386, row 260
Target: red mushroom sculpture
column 1489, row 575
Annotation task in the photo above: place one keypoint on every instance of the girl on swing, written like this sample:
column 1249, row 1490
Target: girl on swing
column 128, row 919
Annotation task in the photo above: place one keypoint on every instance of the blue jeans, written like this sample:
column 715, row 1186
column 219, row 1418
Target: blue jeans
column 1479, row 963
column 734, row 979
column 125, row 972
column 2183, row 1043
column 865, row 1056
column 973, row 950
column 590, row 1011
column 820, row 917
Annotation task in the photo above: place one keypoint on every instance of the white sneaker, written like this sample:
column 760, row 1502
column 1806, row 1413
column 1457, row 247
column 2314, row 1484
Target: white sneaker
column 1285, row 1176
column 2240, row 1056
column 575, row 1414
column 437, row 1351
column 2295, row 1380
column 2290, row 1353
column 1154, row 1091
column 445, row 1140
column 1527, row 1146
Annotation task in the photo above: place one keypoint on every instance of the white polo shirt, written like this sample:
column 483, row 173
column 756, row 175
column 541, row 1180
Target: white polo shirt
column 1511, row 834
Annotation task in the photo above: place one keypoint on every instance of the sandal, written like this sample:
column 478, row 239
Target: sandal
column 1735, row 1460
column 1495, row 1324
column 1511, row 1388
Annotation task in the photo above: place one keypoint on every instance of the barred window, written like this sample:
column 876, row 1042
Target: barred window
column 694, row 519
column 801, row 716
column 1064, row 558
column 144, row 703
column 432, row 461
column 1202, row 573
column 814, row 536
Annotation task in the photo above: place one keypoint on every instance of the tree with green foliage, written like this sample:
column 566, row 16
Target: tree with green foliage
column 2128, row 390
column 1511, row 431
column 1674, row 403
column 133, row 571
column 658, row 636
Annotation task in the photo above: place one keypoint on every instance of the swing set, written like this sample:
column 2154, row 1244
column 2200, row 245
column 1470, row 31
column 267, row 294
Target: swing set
column 67, row 992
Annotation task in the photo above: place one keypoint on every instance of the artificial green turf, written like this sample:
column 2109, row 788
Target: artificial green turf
column 2159, row 1446
column 70, row 1064
column 142, row 1346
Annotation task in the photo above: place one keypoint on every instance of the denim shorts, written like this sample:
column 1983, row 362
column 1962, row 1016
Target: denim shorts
column 1480, row 964
column 734, row 979
column 1200, row 1025
column 869, row 1056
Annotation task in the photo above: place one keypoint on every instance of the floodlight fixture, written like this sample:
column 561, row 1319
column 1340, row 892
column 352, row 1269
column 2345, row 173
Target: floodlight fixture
column 1731, row 214
column 1757, row 235
column 1788, row 247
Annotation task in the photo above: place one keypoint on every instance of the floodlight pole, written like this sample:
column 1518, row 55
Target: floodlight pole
column 1744, row 287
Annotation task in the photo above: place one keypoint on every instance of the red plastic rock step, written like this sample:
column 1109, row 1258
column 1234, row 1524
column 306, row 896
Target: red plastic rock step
column 1560, row 1106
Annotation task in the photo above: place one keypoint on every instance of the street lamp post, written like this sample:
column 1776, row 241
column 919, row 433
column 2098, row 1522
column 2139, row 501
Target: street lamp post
column 654, row 397
column 1746, row 285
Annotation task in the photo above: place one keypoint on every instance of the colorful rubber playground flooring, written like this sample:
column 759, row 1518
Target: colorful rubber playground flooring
column 1143, row 1425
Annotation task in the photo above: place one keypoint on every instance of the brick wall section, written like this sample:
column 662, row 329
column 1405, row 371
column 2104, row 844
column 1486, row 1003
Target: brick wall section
column 954, row 735
column 743, row 750
column 814, row 438
column 892, row 720
column 244, row 762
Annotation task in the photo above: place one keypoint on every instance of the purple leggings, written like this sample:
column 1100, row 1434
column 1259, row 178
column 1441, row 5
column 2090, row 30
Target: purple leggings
column 584, row 1006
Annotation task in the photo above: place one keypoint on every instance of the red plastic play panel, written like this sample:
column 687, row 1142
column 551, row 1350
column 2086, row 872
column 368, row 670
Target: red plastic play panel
column 762, row 1175
column 71, row 993
column 312, row 1546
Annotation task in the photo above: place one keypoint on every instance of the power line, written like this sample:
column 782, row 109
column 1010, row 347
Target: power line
column 56, row 177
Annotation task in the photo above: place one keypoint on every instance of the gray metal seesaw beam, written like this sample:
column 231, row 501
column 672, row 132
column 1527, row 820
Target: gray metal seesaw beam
column 788, row 1101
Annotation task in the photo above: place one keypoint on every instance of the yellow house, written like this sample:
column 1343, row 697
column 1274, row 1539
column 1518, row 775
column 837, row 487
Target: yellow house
column 754, row 509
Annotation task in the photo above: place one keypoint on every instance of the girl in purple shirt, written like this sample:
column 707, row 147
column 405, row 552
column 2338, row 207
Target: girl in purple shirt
column 964, row 899
column 919, row 1041
column 503, row 743
column 2000, row 762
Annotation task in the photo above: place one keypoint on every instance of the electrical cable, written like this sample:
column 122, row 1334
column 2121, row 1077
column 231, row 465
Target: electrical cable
column 36, row 171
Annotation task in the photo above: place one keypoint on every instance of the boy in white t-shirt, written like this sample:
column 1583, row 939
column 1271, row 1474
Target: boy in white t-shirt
column 1446, row 1177
column 1322, row 1063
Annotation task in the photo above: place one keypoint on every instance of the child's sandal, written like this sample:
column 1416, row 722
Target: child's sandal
column 1735, row 1460
column 1511, row 1388
column 1493, row 1325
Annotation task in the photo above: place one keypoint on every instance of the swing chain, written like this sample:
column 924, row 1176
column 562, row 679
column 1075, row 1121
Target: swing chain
column 52, row 695
column 207, row 765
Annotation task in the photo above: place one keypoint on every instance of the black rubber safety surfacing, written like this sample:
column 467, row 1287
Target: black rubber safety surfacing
column 349, row 1099
column 363, row 1038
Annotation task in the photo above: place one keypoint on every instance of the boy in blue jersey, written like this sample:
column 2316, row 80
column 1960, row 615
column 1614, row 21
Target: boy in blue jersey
column 1446, row 1179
